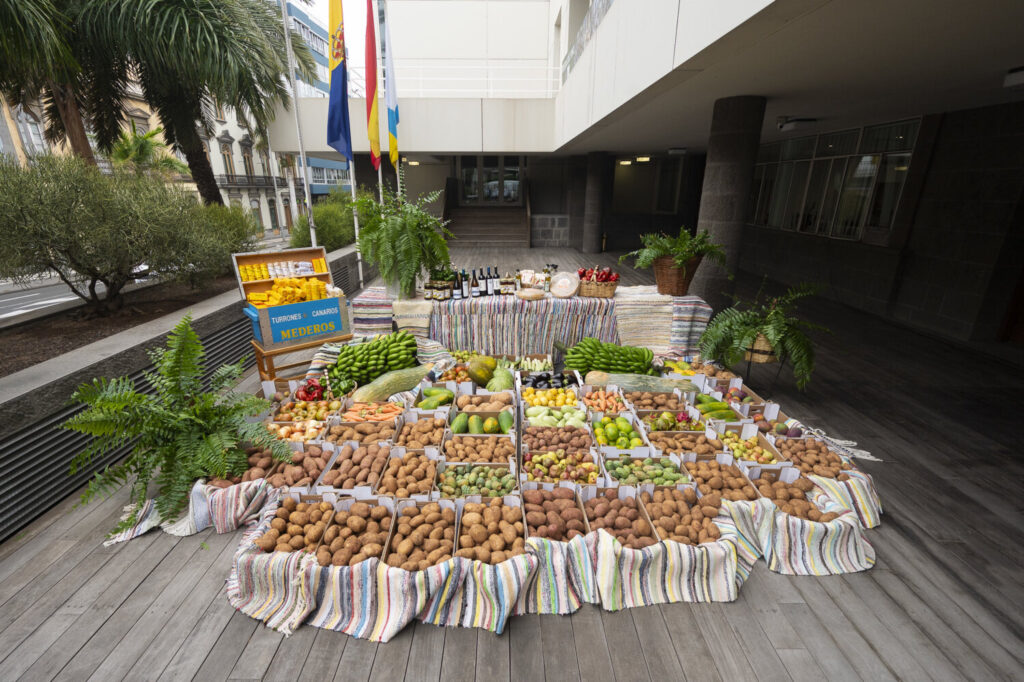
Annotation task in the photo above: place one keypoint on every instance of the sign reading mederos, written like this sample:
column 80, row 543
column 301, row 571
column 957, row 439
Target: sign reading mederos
column 309, row 318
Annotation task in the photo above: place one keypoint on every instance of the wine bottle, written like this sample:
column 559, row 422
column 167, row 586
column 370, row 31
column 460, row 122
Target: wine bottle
column 489, row 280
column 496, row 278
column 465, row 284
column 475, row 285
column 457, row 288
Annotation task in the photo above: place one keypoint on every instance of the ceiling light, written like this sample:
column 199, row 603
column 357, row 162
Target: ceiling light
column 1014, row 77
column 414, row 163
column 643, row 159
column 625, row 162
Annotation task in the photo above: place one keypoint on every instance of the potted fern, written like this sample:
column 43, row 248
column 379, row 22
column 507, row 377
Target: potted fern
column 675, row 259
column 179, row 431
column 763, row 332
column 402, row 239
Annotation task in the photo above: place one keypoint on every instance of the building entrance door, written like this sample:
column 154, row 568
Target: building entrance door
column 489, row 180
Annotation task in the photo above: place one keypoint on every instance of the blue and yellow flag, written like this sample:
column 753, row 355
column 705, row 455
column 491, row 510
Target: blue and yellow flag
column 339, row 130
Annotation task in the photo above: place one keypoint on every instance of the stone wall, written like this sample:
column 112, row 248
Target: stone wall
column 550, row 229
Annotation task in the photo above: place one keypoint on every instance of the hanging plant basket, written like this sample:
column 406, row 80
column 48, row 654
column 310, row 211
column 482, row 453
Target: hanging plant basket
column 761, row 352
column 674, row 280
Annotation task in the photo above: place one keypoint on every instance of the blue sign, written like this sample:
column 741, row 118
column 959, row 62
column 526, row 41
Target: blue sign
column 307, row 319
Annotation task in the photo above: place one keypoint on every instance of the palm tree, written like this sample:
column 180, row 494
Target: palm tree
column 32, row 35
column 145, row 153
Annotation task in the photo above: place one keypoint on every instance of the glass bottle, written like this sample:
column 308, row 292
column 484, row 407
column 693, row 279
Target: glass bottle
column 428, row 290
column 457, row 288
column 519, row 280
column 475, row 285
column 465, row 284
column 490, row 282
column 547, row 279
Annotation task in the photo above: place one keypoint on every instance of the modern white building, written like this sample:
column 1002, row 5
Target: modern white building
column 876, row 147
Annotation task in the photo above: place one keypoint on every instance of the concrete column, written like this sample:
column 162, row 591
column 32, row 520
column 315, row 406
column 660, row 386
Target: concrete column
column 593, row 199
column 728, row 174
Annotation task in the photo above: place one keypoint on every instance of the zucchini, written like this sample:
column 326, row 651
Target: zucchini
column 390, row 383
column 639, row 382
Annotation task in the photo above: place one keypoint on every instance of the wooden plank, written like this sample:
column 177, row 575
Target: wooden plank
column 656, row 643
column 694, row 654
column 558, row 648
column 258, row 654
column 325, row 655
column 624, row 645
column 588, row 634
column 424, row 664
column 524, row 633
column 819, row 642
column 720, row 638
column 800, row 665
column 763, row 605
column 287, row 663
column 204, row 636
column 753, row 641
column 492, row 656
column 224, row 654
column 392, row 657
column 459, row 659
column 357, row 660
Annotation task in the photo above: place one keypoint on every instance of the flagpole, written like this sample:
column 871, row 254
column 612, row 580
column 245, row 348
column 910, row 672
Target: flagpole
column 298, row 128
column 355, row 216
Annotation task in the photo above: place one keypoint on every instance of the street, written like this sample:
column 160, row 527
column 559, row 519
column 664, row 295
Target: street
column 16, row 301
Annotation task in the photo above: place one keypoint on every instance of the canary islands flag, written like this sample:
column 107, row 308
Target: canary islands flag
column 339, row 130
column 390, row 87
column 372, row 117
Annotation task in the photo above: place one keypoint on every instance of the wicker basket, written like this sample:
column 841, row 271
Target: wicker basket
column 761, row 352
column 673, row 280
column 597, row 289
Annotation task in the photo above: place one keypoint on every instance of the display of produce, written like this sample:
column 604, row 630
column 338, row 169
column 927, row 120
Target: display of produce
column 791, row 498
column 527, row 364
column 311, row 390
column 495, row 402
column 424, row 536
column 667, row 421
column 305, row 467
column 418, row 435
column 433, row 397
column 356, row 466
column 591, row 354
column 303, row 411
column 715, row 409
column 678, row 367
column 501, row 380
column 680, row 442
column 621, row 518
column 646, row 400
column 466, row 422
column 553, row 397
column 638, row 382
column 261, row 463
column 571, row 439
column 287, row 290
column 728, row 480
column 679, row 516
column 546, row 380
column 481, row 369
column 567, row 415
column 296, row 527
column 458, row 374
column 553, row 514
column 812, row 456
column 555, row 465
column 298, row 431
column 634, row 471
column 362, row 531
column 480, row 479
column 750, row 449
column 596, row 274
column 365, row 433
column 411, row 474
column 471, row 449
column 604, row 401
column 618, row 432
column 491, row 533
column 362, row 363
column 464, row 356
column 737, row 395
column 710, row 370
column 775, row 426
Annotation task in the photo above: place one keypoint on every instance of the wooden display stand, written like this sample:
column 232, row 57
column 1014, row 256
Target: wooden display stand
column 265, row 357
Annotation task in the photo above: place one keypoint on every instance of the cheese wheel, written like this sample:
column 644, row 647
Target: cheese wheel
column 530, row 294
column 564, row 284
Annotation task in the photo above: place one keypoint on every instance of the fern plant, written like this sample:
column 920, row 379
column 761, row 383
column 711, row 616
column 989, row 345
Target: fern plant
column 682, row 248
column 402, row 238
column 179, row 431
column 733, row 331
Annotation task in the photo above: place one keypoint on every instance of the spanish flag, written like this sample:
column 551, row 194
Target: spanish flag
column 372, row 118
column 339, row 130
column 390, row 88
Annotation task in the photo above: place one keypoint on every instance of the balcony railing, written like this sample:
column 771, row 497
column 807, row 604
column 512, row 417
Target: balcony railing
column 255, row 181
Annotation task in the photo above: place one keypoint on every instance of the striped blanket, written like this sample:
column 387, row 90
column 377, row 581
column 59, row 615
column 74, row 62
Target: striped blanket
column 413, row 316
column 371, row 312
column 644, row 317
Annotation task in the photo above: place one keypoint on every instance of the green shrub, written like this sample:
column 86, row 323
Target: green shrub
column 334, row 227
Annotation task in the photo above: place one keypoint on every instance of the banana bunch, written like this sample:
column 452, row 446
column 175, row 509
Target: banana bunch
column 679, row 367
column 590, row 354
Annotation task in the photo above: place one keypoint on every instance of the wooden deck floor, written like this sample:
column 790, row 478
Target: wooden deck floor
column 944, row 601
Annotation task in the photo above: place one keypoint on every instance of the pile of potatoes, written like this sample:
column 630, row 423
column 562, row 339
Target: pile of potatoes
column 494, row 449
column 357, row 466
column 568, row 438
column 621, row 518
column 424, row 537
column 305, row 468
column 296, row 526
column 645, row 400
column 412, row 474
column 491, row 533
column 553, row 514
column 496, row 402
column 680, row 516
column 261, row 463
column 812, row 456
column 791, row 498
column 366, row 433
column 420, row 434
column 677, row 442
column 357, row 534
column 710, row 370
column 729, row 481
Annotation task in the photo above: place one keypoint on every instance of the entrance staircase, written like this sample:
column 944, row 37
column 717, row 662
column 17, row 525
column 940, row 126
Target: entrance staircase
column 497, row 226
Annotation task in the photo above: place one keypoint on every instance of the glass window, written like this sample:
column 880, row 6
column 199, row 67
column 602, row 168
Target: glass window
column 888, row 186
column 837, row 144
column 777, row 208
column 490, row 178
column 229, row 161
column 319, row 176
column 36, row 140
column 272, row 208
column 765, row 197
column 891, row 137
column 853, row 201
column 794, row 203
column 469, row 179
column 833, row 188
column 510, row 179
column 755, row 192
column 247, row 162
column 798, row 148
column 254, row 207
column 769, row 152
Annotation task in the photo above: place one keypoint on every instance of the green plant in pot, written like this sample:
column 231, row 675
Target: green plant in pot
column 402, row 239
column 763, row 332
column 675, row 259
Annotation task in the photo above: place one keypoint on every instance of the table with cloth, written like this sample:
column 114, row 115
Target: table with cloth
column 637, row 316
